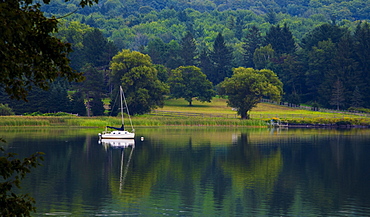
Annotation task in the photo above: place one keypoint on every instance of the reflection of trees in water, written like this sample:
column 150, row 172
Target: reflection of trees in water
column 253, row 170
column 323, row 171
column 277, row 174
column 259, row 171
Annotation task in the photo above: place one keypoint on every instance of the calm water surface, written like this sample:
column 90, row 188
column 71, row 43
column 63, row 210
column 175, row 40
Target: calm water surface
column 198, row 172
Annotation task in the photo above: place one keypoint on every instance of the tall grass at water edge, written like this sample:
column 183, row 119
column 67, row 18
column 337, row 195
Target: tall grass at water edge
column 137, row 121
column 24, row 121
column 148, row 120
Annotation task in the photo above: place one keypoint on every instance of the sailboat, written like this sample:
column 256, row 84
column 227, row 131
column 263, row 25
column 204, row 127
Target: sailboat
column 121, row 132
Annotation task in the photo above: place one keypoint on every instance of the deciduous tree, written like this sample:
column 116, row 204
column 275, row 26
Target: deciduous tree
column 30, row 54
column 137, row 75
column 190, row 82
column 247, row 86
column 12, row 171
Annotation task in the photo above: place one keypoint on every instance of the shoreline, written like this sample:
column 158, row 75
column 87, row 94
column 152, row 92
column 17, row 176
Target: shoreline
column 150, row 121
column 347, row 126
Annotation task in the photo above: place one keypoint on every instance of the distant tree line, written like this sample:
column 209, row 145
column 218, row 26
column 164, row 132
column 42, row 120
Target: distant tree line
column 329, row 67
column 324, row 65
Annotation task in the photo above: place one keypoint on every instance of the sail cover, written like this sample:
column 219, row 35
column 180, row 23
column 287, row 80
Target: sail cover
column 122, row 128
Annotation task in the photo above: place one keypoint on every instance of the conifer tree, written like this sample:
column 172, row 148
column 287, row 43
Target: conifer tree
column 252, row 41
column 221, row 57
column 322, row 33
column 281, row 39
column 356, row 99
column 77, row 104
column 157, row 50
column 188, row 51
column 337, row 98
column 93, row 85
column 96, row 49
column 362, row 57
column 205, row 63
column 97, row 106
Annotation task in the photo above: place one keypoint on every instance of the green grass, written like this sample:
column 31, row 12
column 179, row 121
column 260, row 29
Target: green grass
column 177, row 112
column 263, row 112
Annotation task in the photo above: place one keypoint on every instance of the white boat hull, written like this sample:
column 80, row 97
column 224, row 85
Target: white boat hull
column 117, row 135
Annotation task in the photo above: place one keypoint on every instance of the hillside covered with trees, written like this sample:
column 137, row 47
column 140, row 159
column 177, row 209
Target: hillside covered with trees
column 319, row 50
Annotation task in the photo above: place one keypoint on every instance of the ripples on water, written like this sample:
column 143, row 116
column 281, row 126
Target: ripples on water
column 202, row 172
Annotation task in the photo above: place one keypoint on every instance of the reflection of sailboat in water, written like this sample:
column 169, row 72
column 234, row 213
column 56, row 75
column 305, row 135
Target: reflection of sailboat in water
column 121, row 144
column 123, row 171
column 117, row 143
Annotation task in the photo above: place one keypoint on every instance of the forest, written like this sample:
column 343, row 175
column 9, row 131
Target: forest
column 318, row 49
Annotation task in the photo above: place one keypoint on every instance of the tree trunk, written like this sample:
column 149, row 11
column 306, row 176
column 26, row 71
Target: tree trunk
column 244, row 115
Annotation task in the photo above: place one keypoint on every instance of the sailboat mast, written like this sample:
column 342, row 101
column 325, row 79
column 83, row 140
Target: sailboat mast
column 121, row 96
column 128, row 112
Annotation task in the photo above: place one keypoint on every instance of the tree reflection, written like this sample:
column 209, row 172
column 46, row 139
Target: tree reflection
column 206, row 173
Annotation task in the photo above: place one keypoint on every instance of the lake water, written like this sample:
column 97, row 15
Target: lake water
column 198, row 171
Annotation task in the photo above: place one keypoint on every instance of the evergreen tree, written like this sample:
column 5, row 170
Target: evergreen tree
column 97, row 106
column 188, row 51
column 319, row 70
column 95, row 46
column 205, row 63
column 291, row 71
column 157, row 50
column 322, row 33
column 362, row 56
column 57, row 100
column 221, row 57
column 93, row 85
column 281, row 40
column 356, row 99
column 252, row 41
column 77, row 104
column 109, row 51
column 173, row 59
column 345, row 67
column 337, row 94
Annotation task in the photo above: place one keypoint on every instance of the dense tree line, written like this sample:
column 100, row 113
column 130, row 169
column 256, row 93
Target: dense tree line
column 351, row 10
column 319, row 57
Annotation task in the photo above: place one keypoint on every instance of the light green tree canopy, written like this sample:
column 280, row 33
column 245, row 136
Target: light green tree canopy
column 188, row 82
column 138, row 77
column 247, row 86
column 262, row 56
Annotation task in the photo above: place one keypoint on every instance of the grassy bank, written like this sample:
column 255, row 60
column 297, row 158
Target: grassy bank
column 139, row 121
column 178, row 113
